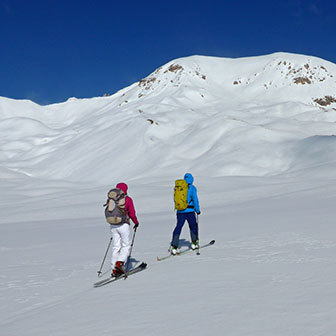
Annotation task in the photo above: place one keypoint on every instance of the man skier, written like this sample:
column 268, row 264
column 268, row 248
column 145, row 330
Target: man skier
column 121, row 234
column 189, row 215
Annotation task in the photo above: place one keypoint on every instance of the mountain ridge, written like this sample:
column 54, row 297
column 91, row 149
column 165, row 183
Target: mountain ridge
column 211, row 115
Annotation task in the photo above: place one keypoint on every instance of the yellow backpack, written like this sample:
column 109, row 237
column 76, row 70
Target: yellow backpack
column 181, row 194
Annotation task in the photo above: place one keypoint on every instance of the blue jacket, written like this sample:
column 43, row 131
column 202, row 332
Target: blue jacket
column 192, row 195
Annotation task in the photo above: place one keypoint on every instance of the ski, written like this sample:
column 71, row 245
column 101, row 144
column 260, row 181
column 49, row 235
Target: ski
column 185, row 251
column 134, row 270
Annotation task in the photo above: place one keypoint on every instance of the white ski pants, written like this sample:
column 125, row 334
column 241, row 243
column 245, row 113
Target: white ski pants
column 121, row 244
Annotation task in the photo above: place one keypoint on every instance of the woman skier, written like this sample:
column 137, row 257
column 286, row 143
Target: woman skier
column 119, row 219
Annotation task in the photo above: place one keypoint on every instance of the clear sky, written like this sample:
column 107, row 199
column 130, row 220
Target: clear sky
column 55, row 49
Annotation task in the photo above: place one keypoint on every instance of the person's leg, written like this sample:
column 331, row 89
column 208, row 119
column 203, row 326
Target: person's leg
column 177, row 231
column 191, row 218
column 124, row 232
column 116, row 245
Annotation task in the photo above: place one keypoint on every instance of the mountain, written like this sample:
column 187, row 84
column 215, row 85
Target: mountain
column 215, row 116
column 270, row 119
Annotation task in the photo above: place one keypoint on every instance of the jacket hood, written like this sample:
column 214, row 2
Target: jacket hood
column 189, row 178
column 123, row 187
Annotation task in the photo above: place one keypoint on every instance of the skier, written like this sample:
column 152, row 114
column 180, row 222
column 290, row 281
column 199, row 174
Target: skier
column 189, row 215
column 121, row 233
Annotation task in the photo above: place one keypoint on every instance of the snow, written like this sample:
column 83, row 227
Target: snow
column 262, row 152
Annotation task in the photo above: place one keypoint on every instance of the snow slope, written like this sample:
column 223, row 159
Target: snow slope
column 258, row 135
column 199, row 112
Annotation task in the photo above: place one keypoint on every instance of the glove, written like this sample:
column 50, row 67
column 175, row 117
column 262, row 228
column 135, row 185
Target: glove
column 135, row 226
column 198, row 213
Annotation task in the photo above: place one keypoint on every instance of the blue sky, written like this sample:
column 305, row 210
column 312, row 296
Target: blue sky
column 53, row 49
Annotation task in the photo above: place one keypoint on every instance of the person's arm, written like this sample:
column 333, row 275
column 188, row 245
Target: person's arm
column 195, row 200
column 130, row 210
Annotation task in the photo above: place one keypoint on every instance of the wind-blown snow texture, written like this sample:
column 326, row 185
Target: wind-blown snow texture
column 258, row 135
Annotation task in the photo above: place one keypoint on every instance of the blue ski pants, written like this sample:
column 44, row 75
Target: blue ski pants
column 181, row 218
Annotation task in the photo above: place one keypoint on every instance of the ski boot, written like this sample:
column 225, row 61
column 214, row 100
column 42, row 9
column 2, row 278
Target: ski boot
column 194, row 245
column 118, row 269
column 174, row 250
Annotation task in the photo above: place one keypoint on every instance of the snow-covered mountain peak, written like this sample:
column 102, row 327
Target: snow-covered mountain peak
column 173, row 74
column 278, row 77
column 287, row 71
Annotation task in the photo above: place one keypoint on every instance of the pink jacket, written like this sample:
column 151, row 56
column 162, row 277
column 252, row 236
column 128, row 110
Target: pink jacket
column 129, row 206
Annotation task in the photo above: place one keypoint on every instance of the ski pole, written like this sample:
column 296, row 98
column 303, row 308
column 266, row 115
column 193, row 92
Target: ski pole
column 198, row 245
column 108, row 247
column 129, row 257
